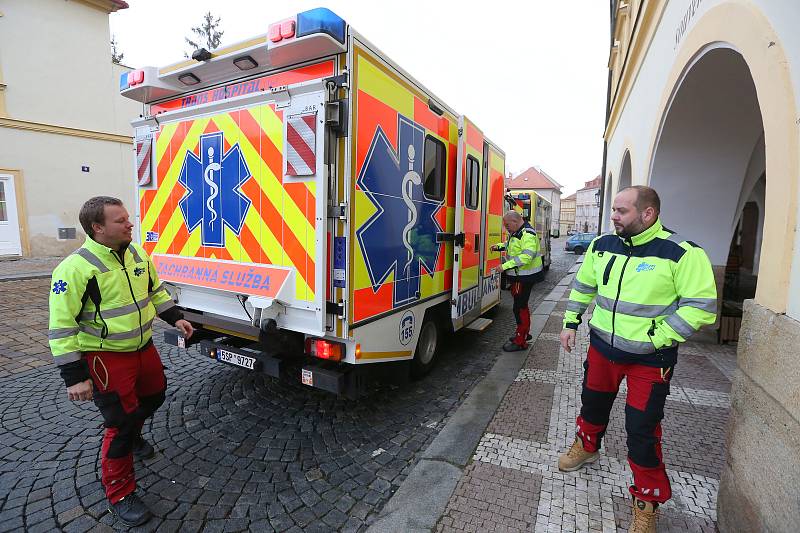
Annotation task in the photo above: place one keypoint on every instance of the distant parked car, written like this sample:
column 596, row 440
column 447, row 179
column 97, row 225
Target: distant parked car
column 571, row 232
column 579, row 242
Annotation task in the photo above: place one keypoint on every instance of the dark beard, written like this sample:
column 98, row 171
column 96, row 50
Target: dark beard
column 633, row 229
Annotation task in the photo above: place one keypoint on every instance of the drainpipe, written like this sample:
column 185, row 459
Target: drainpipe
column 612, row 14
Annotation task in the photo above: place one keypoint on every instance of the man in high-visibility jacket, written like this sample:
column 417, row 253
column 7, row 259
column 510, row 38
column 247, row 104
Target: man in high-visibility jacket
column 103, row 300
column 652, row 289
column 523, row 266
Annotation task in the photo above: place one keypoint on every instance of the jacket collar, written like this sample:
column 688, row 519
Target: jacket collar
column 517, row 234
column 646, row 236
column 96, row 248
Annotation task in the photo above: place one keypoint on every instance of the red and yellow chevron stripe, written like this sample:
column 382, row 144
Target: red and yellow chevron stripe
column 279, row 224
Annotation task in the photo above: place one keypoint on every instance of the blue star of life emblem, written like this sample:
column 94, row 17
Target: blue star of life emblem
column 138, row 271
column 213, row 181
column 400, row 237
column 60, row 286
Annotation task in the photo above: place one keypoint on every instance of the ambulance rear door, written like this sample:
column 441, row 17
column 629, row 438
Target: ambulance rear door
column 234, row 213
column 469, row 225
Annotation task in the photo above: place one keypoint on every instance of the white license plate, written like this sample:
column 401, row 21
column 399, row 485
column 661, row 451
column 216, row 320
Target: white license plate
column 235, row 359
column 308, row 377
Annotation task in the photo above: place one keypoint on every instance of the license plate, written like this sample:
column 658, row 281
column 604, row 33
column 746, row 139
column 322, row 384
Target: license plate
column 235, row 359
column 308, row 377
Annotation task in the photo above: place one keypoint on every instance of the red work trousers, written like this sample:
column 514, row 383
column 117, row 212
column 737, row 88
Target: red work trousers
column 521, row 292
column 128, row 388
column 648, row 388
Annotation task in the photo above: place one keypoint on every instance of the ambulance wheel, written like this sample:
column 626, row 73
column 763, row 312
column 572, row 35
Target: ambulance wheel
column 425, row 354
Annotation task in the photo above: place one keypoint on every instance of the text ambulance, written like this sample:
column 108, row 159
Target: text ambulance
column 313, row 208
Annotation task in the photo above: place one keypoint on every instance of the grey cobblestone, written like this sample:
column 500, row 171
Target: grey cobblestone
column 234, row 449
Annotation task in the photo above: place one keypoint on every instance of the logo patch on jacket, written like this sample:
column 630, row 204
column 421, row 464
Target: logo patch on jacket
column 60, row 286
column 642, row 267
column 138, row 271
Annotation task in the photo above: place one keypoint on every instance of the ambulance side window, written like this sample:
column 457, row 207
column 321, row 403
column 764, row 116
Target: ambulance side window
column 472, row 184
column 435, row 167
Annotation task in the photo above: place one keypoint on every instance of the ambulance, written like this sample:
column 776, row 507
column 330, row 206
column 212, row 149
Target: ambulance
column 537, row 211
column 314, row 210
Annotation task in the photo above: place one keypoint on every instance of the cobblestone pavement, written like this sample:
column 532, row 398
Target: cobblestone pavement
column 28, row 267
column 513, row 482
column 237, row 450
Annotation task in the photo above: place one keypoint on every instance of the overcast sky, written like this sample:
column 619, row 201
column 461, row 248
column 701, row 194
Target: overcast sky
column 532, row 75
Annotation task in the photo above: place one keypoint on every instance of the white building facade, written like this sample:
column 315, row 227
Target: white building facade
column 65, row 131
column 587, row 209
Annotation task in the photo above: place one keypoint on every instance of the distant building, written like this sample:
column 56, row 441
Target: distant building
column 65, row 131
column 536, row 180
column 587, row 206
column 567, row 222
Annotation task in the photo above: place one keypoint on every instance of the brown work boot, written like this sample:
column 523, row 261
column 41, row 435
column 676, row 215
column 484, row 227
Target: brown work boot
column 576, row 457
column 644, row 517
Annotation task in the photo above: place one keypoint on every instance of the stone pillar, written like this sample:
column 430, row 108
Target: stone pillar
column 760, row 483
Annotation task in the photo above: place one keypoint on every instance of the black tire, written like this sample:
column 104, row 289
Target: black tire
column 430, row 336
column 578, row 250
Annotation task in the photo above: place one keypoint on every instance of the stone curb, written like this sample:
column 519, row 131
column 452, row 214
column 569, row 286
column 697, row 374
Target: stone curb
column 422, row 497
column 20, row 277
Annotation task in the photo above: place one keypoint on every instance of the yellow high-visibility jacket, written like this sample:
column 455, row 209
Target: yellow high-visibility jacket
column 652, row 291
column 524, row 256
column 101, row 301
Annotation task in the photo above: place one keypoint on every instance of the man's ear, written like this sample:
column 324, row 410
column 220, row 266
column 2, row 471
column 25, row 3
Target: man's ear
column 97, row 228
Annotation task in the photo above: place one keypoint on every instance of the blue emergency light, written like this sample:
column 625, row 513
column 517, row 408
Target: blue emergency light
column 321, row 20
column 123, row 81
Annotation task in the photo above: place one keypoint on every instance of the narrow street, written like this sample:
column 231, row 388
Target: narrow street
column 236, row 450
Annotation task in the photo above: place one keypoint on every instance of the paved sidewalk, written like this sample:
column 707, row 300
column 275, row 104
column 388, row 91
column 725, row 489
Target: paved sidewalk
column 12, row 269
column 513, row 482
column 509, row 480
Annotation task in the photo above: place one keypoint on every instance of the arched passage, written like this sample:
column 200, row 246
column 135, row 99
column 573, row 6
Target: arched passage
column 708, row 167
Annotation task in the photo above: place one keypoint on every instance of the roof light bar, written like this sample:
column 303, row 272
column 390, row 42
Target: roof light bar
column 321, row 20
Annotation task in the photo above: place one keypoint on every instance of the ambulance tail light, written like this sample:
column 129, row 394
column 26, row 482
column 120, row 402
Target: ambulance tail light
column 324, row 349
column 321, row 20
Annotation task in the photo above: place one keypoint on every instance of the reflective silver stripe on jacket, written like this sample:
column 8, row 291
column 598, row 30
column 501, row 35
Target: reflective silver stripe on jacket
column 676, row 238
column 117, row 311
column 61, row 333
column 132, row 334
column 68, row 357
column 638, row 310
column 136, row 256
column 161, row 287
column 531, row 253
column 577, row 307
column 626, row 345
column 163, row 307
column 93, row 259
column 705, row 304
column 681, row 327
column 583, row 288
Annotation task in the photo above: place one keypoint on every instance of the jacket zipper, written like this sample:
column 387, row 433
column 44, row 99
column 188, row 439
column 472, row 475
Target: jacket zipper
column 133, row 296
column 607, row 273
column 619, row 291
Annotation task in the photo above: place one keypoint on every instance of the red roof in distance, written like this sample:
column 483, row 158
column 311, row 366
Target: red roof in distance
column 533, row 178
column 592, row 184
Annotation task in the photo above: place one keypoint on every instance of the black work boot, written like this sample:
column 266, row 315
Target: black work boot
column 513, row 347
column 130, row 510
column 527, row 338
column 143, row 449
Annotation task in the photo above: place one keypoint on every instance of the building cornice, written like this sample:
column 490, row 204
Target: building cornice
column 63, row 130
column 109, row 6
